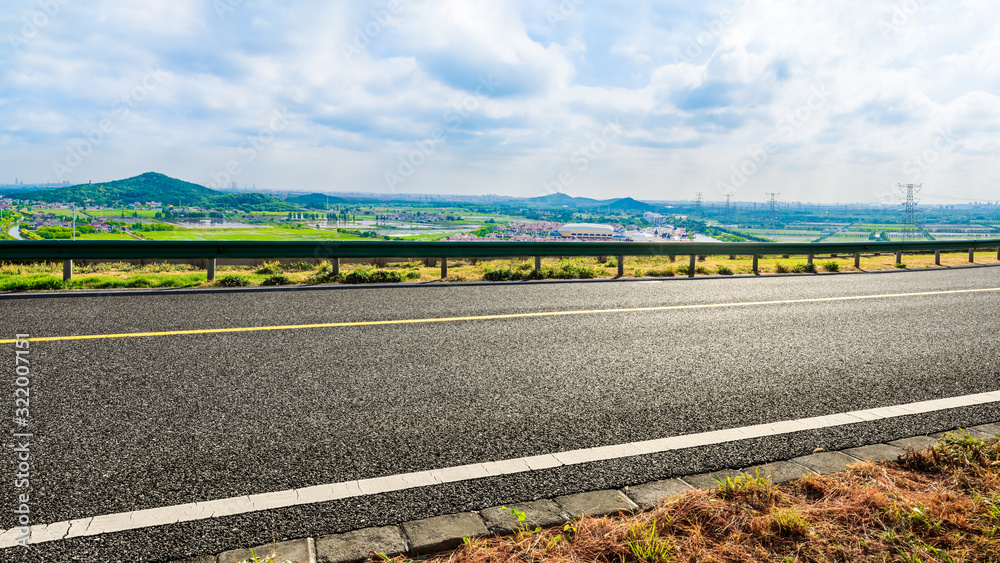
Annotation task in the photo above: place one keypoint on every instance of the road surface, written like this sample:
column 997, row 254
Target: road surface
column 482, row 373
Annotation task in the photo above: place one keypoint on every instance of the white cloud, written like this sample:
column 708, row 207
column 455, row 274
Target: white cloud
column 694, row 86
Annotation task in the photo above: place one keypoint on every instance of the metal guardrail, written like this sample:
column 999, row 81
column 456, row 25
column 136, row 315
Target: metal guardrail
column 67, row 251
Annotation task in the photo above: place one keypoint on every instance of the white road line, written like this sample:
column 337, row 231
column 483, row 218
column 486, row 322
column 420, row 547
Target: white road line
column 125, row 521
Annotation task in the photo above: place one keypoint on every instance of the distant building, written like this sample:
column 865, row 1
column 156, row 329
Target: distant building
column 654, row 218
column 587, row 231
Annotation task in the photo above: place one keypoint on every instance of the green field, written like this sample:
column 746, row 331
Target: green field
column 276, row 233
column 106, row 236
column 846, row 237
column 117, row 213
column 438, row 236
column 785, row 235
column 57, row 212
column 962, row 236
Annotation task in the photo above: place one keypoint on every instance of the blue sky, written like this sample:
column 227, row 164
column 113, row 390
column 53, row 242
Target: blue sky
column 818, row 101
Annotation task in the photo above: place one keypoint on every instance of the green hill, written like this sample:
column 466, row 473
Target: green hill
column 625, row 204
column 251, row 201
column 150, row 186
column 560, row 199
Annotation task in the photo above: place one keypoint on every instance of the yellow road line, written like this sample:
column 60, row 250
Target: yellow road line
column 503, row 316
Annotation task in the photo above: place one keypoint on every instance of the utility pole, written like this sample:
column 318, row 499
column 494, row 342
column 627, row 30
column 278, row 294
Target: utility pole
column 772, row 212
column 699, row 197
column 74, row 221
column 728, row 197
column 910, row 226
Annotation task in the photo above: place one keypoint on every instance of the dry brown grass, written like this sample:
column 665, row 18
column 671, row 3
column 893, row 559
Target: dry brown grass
column 941, row 504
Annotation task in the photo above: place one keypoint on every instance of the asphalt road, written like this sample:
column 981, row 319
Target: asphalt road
column 128, row 423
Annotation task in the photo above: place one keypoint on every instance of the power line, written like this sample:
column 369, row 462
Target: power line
column 772, row 212
column 698, row 199
column 910, row 223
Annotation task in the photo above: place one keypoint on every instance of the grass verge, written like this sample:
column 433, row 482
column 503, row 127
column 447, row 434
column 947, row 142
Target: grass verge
column 47, row 275
column 939, row 504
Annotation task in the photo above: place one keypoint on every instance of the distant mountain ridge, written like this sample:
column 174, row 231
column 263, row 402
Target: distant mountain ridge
column 560, row 199
column 153, row 186
column 150, row 186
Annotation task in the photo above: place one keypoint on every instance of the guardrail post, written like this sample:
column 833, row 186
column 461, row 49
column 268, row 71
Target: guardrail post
column 621, row 266
column 937, row 257
column 972, row 255
column 444, row 268
column 899, row 257
column 857, row 260
column 335, row 265
column 691, row 266
column 211, row 269
column 674, row 258
column 68, row 270
column 809, row 259
column 756, row 270
column 538, row 263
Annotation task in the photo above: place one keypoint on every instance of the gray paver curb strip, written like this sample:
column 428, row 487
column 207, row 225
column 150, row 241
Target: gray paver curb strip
column 299, row 551
column 826, row 462
column 355, row 546
column 543, row 513
column 440, row 533
column 876, row 452
column 596, row 503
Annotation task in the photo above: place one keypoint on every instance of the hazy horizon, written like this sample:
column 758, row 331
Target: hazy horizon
column 821, row 103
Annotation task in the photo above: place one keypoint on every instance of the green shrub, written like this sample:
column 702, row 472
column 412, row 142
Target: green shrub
column 276, row 279
column 831, row 266
column 646, row 544
column 564, row 270
column 232, row 280
column 804, row 268
column 789, row 522
column 685, row 269
column 324, row 274
column 506, row 273
column 724, row 271
column 899, row 265
column 780, row 268
column 664, row 273
column 744, row 485
column 569, row 270
column 612, row 263
column 268, row 269
column 297, row 267
column 367, row 274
